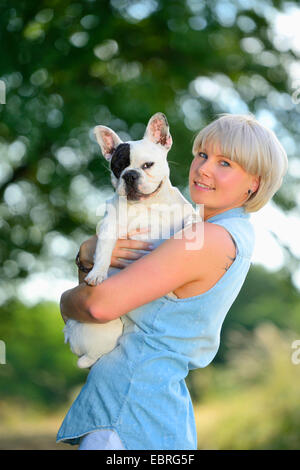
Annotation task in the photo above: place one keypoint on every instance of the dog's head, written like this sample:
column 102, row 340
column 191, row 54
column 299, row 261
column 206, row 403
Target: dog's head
column 138, row 168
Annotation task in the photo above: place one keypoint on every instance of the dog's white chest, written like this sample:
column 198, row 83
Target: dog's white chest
column 159, row 220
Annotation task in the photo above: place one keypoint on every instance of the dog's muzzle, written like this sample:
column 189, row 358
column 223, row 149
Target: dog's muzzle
column 145, row 196
column 130, row 178
column 133, row 194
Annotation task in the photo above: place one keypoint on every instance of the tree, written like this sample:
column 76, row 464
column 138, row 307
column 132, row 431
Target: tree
column 69, row 66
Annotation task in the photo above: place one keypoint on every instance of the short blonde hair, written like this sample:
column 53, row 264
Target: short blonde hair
column 244, row 140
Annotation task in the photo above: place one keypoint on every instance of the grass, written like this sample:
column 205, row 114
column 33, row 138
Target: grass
column 23, row 427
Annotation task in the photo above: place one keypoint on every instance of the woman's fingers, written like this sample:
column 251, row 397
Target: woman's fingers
column 117, row 263
column 127, row 254
column 133, row 244
column 137, row 231
column 123, row 255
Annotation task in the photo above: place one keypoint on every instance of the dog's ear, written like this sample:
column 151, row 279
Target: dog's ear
column 107, row 139
column 158, row 131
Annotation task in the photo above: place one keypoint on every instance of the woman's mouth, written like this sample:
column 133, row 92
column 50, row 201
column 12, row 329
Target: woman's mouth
column 203, row 187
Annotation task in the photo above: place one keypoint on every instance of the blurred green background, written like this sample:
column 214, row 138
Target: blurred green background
column 68, row 66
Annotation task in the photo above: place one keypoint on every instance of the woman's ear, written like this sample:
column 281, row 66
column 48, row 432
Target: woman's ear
column 255, row 184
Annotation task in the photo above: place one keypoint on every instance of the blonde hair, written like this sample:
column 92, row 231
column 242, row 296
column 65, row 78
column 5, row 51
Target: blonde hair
column 244, row 140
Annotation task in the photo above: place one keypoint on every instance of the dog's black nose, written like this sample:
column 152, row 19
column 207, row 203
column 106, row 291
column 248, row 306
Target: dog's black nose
column 130, row 176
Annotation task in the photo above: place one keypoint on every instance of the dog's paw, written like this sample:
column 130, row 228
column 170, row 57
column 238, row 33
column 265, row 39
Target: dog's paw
column 95, row 277
column 84, row 362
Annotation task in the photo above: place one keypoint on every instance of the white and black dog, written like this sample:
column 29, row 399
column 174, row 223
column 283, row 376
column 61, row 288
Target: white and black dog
column 140, row 176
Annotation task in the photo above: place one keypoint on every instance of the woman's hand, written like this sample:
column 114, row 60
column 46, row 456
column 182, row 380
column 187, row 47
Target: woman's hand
column 122, row 255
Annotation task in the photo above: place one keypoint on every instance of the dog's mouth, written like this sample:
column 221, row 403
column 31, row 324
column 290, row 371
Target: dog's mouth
column 135, row 195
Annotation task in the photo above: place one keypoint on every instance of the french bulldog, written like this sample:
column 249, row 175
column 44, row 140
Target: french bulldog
column 144, row 199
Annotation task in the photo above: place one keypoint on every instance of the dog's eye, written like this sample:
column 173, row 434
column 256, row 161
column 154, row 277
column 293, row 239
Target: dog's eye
column 147, row 165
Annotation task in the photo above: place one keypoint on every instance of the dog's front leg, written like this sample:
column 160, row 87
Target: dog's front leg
column 107, row 238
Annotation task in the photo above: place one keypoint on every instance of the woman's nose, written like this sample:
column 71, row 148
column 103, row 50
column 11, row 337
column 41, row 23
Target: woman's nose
column 205, row 168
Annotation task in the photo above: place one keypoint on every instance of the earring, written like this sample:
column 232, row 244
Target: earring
column 249, row 191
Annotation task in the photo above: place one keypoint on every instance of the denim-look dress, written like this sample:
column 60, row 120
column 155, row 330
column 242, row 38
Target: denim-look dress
column 138, row 390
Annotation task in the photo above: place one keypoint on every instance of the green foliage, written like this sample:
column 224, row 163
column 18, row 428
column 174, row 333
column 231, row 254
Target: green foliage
column 69, row 66
column 264, row 296
column 39, row 367
column 252, row 401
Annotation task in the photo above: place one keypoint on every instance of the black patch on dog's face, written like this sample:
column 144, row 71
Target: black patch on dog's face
column 120, row 159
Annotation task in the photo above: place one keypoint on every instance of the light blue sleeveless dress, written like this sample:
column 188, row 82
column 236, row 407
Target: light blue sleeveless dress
column 137, row 392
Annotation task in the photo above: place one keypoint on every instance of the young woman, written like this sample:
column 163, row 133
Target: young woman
column 135, row 397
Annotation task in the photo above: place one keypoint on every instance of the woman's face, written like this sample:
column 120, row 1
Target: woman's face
column 226, row 183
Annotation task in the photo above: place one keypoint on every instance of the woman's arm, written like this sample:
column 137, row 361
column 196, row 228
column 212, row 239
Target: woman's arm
column 122, row 256
column 168, row 267
column 74, row 302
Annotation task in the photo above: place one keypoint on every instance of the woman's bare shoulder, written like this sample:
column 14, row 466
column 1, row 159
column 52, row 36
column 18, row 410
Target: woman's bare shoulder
column 212, row 245
column 213, row 252
column 207, row 236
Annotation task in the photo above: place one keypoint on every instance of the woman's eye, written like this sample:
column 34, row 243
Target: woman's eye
column 223, row 162
column 202, row 155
